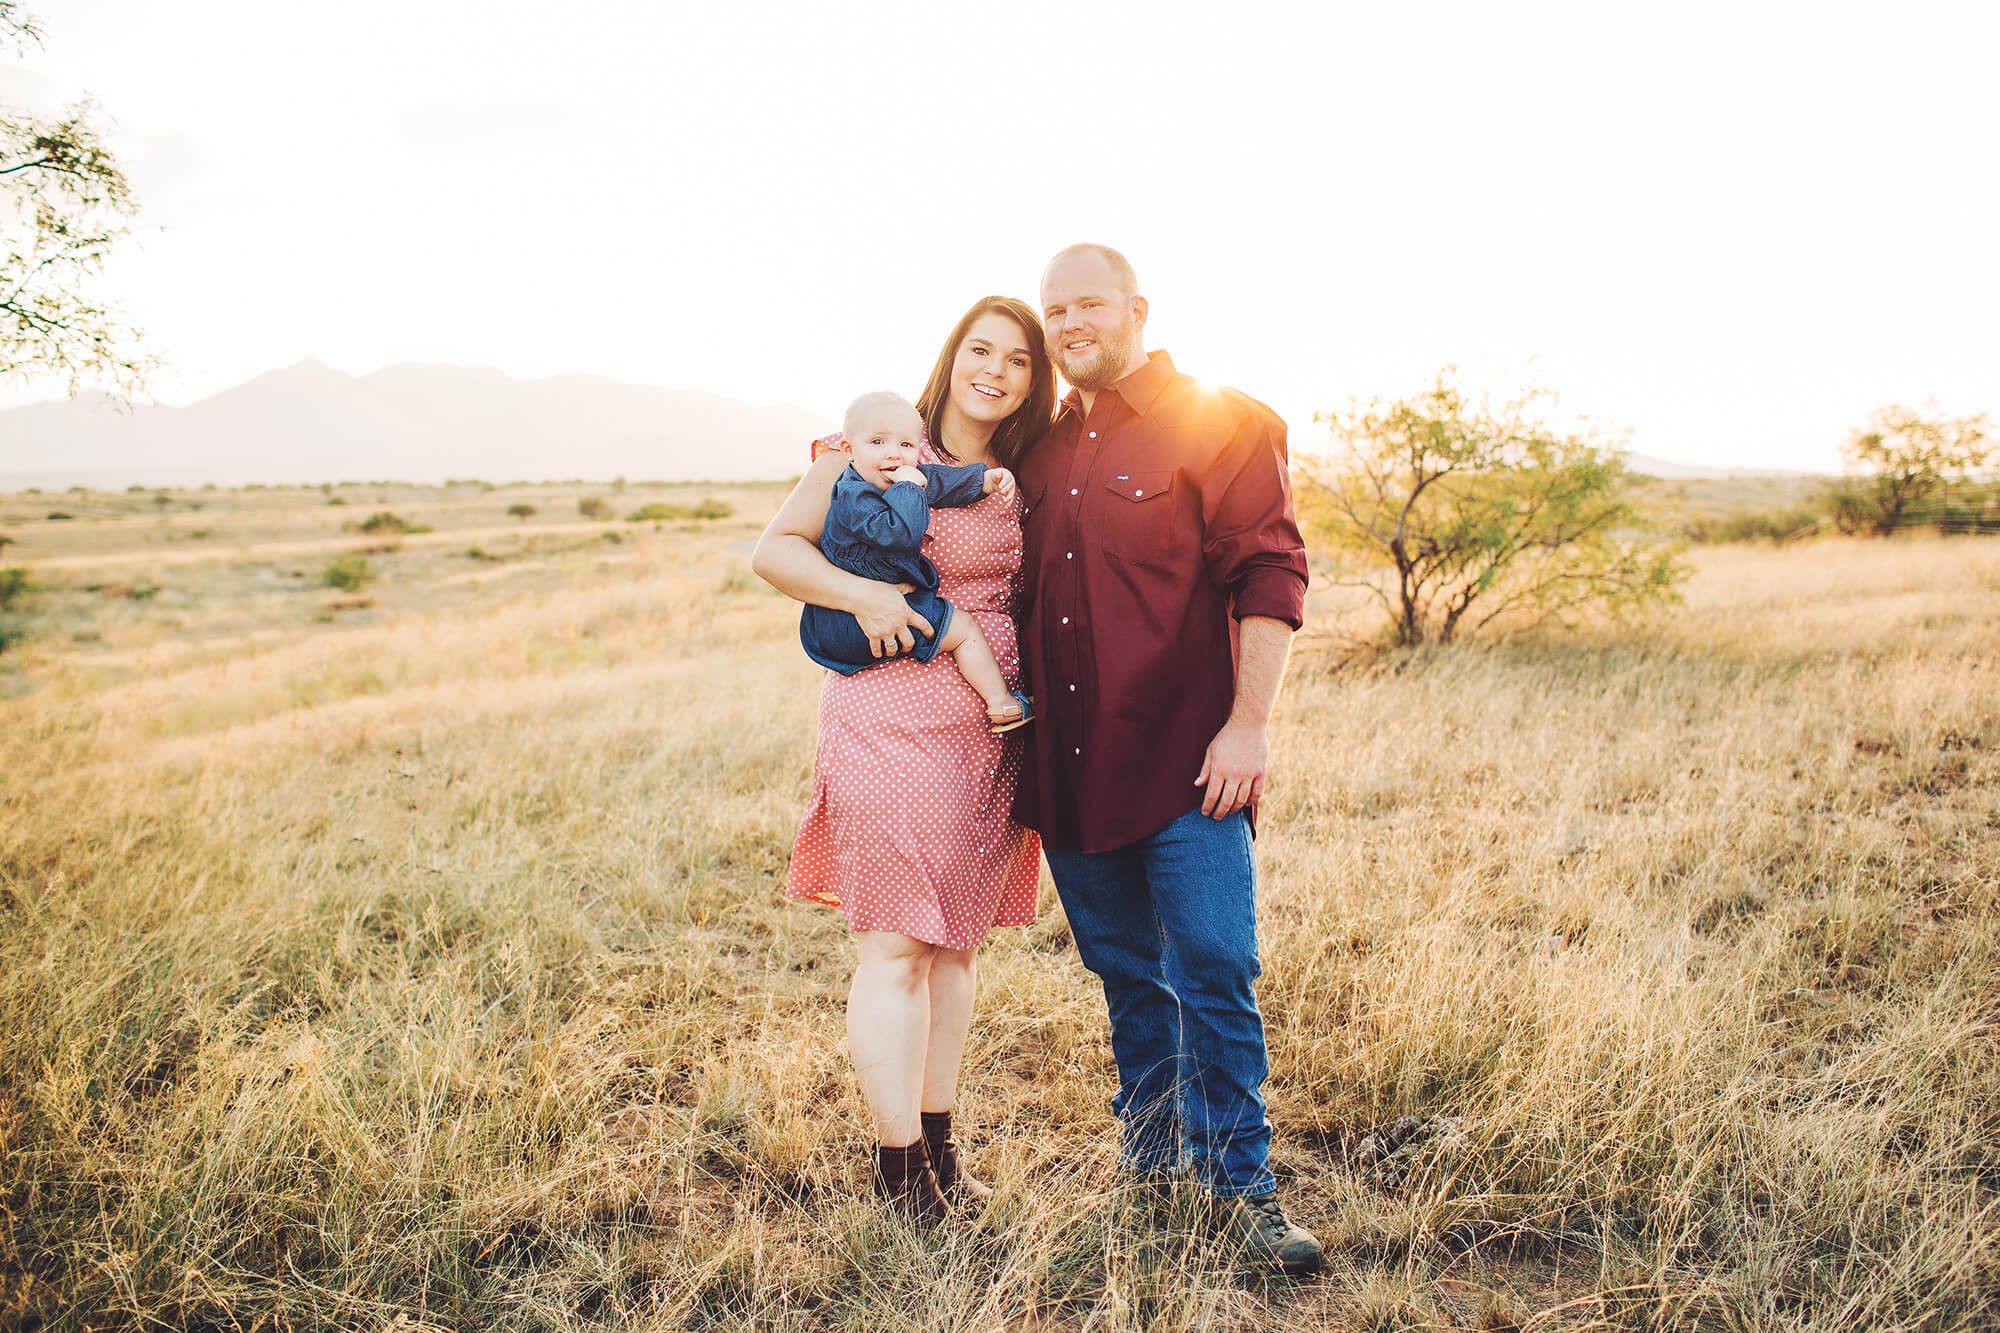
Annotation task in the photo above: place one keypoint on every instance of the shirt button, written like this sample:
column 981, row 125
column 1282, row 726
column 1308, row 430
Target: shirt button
column 1093, row 435
column 1072, row 689
column 1138, row 493
column 1069, row 555
column 1065, row 620
column 1079, row 749
column 1073, row 491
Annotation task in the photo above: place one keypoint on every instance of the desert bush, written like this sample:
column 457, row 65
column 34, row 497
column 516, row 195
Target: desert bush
column 1772, row 525
column 656, row 511
column 1477, row 512
column 60, row 516
column 1970, row 507
column 5, row 541
column 128, row 592
column 385, row 522
column 15, row 584
column 519, row 511
column 336, row 499
column 349, row 573
column 1856, row 508
column 591, row 506
column 659, row 511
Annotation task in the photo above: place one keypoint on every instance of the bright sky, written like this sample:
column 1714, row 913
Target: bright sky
column 1731, row 229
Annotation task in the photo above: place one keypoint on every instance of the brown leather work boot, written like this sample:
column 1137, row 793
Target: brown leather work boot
column 952, row 1177
column 904, row 1180
column 1256, row 1228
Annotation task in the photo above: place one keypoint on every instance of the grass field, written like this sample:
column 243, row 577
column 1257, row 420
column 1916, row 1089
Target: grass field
column 416, row 958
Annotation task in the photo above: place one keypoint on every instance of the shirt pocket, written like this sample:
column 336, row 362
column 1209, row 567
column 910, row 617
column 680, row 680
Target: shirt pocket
column 1139, row 516
column 1031, row 495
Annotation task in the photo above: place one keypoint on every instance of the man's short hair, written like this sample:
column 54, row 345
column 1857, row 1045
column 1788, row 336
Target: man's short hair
column 1121, row 267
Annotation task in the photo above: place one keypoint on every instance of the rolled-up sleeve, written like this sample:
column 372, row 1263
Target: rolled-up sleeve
column 1251, row 541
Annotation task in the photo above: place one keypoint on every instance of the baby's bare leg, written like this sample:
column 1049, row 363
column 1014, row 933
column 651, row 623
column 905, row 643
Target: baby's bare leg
column 968, row 647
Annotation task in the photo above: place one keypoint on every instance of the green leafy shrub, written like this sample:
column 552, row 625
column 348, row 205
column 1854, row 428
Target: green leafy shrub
column 590, row 506
column 14, row 585
column 384, row 522
column 1755, row 525
column 349, row 573
column 658, row 511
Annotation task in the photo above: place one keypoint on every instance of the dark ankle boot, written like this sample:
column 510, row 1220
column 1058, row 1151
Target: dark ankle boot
column 904, row 1180
column 951, row 1173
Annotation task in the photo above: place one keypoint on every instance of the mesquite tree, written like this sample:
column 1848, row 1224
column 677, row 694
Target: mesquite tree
column 63, row 207
column 1908, row 459
column 1456, row 515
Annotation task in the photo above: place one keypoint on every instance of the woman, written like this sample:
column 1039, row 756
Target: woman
column 910, row 830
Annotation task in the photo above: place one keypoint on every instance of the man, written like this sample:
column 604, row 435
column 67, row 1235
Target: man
column 1166, row 575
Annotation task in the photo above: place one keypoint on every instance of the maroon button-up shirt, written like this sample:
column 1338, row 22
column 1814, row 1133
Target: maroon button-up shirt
column 1152, row 524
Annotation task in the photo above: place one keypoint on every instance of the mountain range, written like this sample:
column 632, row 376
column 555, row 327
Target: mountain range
column 312, row 423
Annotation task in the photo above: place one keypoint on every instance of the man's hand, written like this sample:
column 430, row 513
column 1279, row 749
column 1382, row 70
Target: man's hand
column 1233, row 769
column 887, row 619
column 1001, row 480
column 912, row 474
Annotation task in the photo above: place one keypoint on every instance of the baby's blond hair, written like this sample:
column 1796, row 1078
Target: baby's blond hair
column 868, row 404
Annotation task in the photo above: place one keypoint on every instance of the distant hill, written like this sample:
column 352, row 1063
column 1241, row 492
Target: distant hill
column 311, row 423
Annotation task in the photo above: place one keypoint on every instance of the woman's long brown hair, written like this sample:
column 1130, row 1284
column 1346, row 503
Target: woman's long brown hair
column 1024, row 426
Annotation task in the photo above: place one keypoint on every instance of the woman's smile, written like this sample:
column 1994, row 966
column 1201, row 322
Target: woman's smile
column 993, row 372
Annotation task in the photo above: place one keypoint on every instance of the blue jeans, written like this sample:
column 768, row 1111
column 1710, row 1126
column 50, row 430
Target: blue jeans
column 1169, row 924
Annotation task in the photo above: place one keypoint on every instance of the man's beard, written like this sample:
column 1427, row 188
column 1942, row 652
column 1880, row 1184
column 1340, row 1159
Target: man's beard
column 1107, row 366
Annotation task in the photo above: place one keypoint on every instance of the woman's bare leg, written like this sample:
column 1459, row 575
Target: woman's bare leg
column 888, row 1029
column 954, row 978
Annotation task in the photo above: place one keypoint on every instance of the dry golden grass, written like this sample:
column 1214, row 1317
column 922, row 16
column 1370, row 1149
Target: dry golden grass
column 429, row 968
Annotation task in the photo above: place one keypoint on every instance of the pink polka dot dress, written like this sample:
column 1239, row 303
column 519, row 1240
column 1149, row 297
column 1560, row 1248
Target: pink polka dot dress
column 909, row 828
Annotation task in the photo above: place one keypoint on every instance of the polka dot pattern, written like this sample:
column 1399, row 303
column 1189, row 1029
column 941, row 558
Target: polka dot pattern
column 910, row 827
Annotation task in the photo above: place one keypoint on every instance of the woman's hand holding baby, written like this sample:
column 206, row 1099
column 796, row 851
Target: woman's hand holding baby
column 886, row 618
column 1001, row 480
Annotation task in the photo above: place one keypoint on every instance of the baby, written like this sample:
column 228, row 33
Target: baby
column 875, row 527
